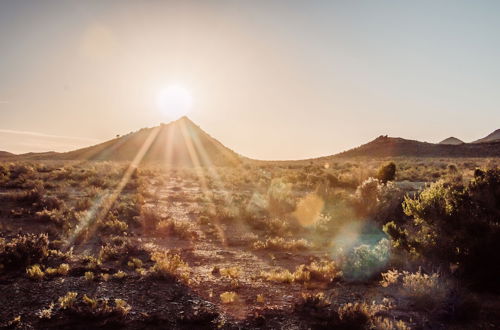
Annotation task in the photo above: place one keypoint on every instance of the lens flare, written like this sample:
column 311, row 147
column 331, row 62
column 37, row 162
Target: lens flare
column 309, row 209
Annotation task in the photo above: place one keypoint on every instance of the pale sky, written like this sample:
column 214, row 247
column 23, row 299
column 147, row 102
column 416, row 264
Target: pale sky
column 269, row 79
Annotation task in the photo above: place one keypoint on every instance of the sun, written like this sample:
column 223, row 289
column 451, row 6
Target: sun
column 174, row 101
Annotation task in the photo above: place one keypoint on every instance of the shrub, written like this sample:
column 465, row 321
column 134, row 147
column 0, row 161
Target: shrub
column 231, row 272
column 46, row 313
column 319, row 313
column 387, row 172
column 280, row 197
column 23, row 250
column 89, row 276
column 55, row 216
column 322, row 271
column 149, row 219
column 277, row 275
column 312, row 301
column 378, row 201
column 62, row 269
column 280, row 243
column 35, row 272
column 120, row 249
column 169, row 266
column 94, row 308
column 228, row 297
column 317, row 271
column 122, row 307
column 135, row 263
column 68, row 300
column 119, row 275
column 427, row 291
column 172, row 227
column 113, row 226
column 455, row 224
column 415, row 284
column 364, row 261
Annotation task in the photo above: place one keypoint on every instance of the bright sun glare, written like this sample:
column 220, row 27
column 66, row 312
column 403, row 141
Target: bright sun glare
column 174, row 101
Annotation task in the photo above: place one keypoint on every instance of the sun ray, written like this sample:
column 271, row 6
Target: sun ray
column 201, row 176
column 104, row 204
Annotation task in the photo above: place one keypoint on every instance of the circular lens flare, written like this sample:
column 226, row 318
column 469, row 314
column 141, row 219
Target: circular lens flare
column 174, row 101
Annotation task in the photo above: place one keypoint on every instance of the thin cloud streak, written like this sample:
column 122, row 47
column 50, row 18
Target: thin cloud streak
column 9, row 131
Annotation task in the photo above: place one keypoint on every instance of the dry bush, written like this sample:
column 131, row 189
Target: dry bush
column 278, row 275
column 59, row 217
column 23, row 250
column 170, row 227
column 35, row 272
column 135, row 263
column 169, row 266
column 112, row 226
column 320, row 271
column 423, row 288
column 89, row 276
column 61, row 270
column 434, row 294
column 317, row 271
column 120, row 249
column 93, row 308
column 119, row 275
column 83, row 203
column 280, row 243
column 149, row 219
column 231, row 272
column 90, row 262
column 228, row 297
column 68, row 300
column 319, row 313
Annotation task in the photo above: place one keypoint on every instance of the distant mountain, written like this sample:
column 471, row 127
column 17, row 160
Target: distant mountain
column 495, row 136
column 179, row 143
column 183, row 143
column 384, row 146
column 5, row 154
column 451, row 140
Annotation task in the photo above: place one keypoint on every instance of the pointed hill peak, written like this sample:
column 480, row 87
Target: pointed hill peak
column 451, row 140
column 178, row 143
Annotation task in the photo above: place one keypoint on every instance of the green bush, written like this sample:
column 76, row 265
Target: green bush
column 458, row 225
column 387, row 172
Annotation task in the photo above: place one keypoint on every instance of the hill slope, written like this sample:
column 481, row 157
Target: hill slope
column 179, row 143
column 5, row 154
column 495, row 136
column 384, row 146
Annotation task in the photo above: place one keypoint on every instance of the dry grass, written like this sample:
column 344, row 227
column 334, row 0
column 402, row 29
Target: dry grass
column 280, row 243
column 317, row 271
column 228, row 297
column 169, row 266
column 231, row 272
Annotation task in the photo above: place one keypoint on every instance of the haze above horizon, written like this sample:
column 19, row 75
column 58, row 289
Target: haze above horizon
column 270, row 80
